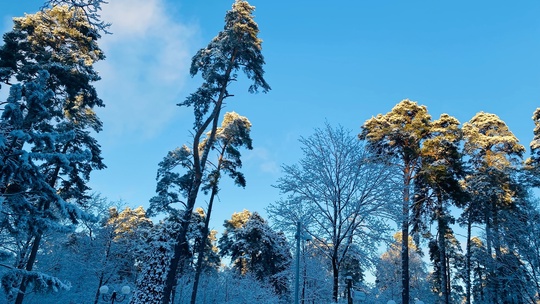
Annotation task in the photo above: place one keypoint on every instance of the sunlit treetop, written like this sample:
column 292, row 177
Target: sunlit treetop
column 64, row 31
column 399, row 131
column 89, row 8
column 236, row 47
column 489, row 141
column 534, row 160
column 239, row 219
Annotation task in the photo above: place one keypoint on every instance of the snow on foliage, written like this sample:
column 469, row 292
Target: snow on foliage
column 48, row 151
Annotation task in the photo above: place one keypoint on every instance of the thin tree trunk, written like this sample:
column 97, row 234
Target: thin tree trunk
column 497, row 260
column 490, row 293
column 335, row 272
column 37, row 240
column 468, row 262
column 29, row 267
column 205, row 233
column 96, row 298
column 200, row 250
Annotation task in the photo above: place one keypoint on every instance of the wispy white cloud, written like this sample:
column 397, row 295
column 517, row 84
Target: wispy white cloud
column 261, row 158
column 148, row 57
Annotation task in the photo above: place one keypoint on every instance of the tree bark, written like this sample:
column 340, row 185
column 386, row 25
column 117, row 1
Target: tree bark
column 29, row 267
column 405, row 275
column 468, row 262
column 441, row 225
column 200, row 250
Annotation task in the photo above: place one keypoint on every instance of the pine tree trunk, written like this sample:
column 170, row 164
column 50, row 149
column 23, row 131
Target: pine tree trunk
column 468, row 262
column 405, row 276
column 497, row 261
column 490, row 292
column 441, row 225
column 200, row 250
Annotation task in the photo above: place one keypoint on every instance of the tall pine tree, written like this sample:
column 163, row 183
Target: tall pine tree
column 46, row 146
column 236, row 48
column 399, row 135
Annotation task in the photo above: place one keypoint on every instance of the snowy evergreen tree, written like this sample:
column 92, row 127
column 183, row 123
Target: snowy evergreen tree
column 532, row 164
column 399, row 135
column 156, row 262
column 156, row 255
column 46, row 147
column 236, row 48
column 256, row 249
column 436, row 188
column 90, row 8
column 494, row 154
column 337, row 191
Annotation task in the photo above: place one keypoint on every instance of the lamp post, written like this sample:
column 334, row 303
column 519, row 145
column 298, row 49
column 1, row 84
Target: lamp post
column 114, row 296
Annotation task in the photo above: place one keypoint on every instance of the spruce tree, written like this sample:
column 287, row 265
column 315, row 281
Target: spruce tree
column 254, row 248
column 47, row 150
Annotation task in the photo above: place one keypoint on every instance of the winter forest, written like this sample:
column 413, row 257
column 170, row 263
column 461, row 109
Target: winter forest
column 409, row 208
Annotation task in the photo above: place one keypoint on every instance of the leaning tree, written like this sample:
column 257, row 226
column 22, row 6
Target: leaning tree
column 236, row 48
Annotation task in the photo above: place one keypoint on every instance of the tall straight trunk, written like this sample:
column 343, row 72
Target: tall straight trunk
column 490, row 292
column 442, row 227
column 405, row 276
column 497, row 249
column 468, row 261
column 449, row 278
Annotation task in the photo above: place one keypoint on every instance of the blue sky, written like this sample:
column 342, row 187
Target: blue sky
column 339, row 62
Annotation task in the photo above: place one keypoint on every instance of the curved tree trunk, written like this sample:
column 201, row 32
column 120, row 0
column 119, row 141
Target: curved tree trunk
column 181, row 249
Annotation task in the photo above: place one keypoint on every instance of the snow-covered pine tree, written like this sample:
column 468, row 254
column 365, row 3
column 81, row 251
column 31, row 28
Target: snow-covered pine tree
column 235, row 48
column 257, row 249
column 436, row 189
column 156, row 262
column 156, row 256
column 399, row 135
column 46, row 148
column 494, row 154
column 91, row 9
column 532, row 164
